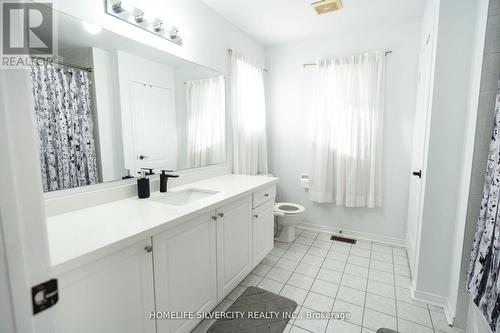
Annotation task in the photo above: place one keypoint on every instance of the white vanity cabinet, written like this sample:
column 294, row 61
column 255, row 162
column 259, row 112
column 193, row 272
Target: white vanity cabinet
column 185, row 271
column 114, row 294
column 263, row 231
column 263, row 222
column 189, row 267
column 234, row 244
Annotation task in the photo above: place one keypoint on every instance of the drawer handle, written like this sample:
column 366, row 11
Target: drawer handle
column 148, row 248
column 266, row 194
column 221, row 214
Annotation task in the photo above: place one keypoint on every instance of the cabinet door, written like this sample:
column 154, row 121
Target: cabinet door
column 263, row 231
column 112, row 295
column 234, row 244
column 185, row 271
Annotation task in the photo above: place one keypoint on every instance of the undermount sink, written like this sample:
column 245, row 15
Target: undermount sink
column 183, row 197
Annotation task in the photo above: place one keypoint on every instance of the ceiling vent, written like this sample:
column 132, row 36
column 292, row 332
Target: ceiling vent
column 326, row 6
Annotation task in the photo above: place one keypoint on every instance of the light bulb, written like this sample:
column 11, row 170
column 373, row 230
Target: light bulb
column 173, row 32
column 139, row 18
column 158, row 27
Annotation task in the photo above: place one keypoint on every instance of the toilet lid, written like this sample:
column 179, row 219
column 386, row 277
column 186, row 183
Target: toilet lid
column 288, row 208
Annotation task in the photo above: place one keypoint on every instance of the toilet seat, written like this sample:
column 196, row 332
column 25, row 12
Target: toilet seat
column 288, row 208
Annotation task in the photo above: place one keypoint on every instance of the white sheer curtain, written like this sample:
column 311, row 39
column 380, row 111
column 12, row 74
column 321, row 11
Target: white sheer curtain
column 248, row 116
column 346, row 131
column 206, row 121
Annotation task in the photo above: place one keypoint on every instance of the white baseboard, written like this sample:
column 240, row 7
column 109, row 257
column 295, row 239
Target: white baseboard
column 436, row 300
column 355, row 234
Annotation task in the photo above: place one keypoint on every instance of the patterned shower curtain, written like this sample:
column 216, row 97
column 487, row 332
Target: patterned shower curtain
column 65, row 127
column 484, row 265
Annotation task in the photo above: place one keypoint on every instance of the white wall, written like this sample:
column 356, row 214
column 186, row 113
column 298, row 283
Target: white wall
column 446, row 153
column 480, row 127
column 289, row 96
column 108, row 115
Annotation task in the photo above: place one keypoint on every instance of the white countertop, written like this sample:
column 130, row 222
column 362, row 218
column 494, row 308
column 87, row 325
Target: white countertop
column 83, row 235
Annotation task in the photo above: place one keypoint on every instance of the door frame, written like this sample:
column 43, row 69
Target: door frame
column 22, row 209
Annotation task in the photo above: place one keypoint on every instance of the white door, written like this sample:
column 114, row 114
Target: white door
column 112, row 295
column 185, row 271
column 154, row 127
column 419, row 152
column 263, row 231
column 234, row 244
column 25, row 250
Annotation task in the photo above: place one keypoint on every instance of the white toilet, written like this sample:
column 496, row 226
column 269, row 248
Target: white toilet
column 289, row 215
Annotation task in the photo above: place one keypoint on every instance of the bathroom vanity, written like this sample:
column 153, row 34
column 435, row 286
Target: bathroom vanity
column 119, row 263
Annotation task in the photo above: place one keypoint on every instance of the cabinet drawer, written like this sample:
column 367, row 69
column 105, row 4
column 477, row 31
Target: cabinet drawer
column 262, row 196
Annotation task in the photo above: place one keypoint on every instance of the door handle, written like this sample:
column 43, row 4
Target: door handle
column 417, row 173
column 141, row 157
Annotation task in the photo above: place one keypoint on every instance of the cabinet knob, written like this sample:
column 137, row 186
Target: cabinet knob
column 148, row 248
column 256, row 216
column 266, row 194
column 221, row 214
column 214, row 218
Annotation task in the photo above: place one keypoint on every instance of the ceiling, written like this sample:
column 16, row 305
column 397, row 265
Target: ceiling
column 281, row 21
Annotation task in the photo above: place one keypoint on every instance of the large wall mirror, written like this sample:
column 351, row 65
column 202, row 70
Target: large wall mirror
column 109, row 106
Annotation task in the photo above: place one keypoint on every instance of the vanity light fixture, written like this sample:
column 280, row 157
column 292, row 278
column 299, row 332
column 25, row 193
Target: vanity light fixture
column 174, row 33
column 125, row 10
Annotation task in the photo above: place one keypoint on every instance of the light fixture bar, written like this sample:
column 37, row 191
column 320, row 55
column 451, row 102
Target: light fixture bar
column 136, row 17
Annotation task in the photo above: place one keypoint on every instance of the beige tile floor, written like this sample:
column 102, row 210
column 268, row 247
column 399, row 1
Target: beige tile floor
column 369, row 280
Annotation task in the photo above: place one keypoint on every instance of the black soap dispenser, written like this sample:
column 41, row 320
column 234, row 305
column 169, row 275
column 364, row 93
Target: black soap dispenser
column 143, row 191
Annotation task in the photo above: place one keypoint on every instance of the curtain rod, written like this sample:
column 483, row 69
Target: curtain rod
column 65, row 64
column 315, row 64
column 229, row 51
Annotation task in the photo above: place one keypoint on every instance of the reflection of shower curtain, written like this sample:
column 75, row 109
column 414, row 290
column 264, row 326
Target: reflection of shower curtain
column 482, row 278
column 65, row 129
column 206, row 121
